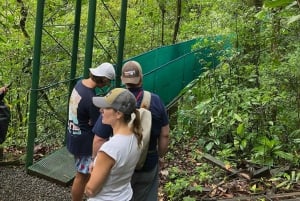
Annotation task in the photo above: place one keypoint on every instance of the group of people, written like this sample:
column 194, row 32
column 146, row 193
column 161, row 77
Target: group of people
column 105, row 137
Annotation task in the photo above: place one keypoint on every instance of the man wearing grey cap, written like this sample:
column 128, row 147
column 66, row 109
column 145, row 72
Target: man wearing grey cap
column 82, row 117
column 144, row 181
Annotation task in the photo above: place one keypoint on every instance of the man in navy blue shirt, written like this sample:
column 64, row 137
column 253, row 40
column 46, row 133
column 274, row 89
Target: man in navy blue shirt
column 144, row 181
column 82, row 116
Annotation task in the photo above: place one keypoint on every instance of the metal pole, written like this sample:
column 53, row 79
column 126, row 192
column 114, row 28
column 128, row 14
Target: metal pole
column 35, row 82
column 90, row 37
column 74, row 52
column 75, row 45
column 121, row 42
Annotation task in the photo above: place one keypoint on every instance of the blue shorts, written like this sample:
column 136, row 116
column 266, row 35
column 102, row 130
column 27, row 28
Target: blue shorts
column 82, row 164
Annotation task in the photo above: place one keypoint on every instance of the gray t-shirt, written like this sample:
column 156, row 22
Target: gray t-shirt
column 125, row 151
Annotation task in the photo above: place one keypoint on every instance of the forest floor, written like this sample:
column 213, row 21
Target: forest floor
column 16, row 184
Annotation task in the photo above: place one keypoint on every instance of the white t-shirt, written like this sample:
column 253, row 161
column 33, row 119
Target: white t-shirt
column 125, row 151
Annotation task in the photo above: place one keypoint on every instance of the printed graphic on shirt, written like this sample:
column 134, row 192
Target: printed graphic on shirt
column 73, row 120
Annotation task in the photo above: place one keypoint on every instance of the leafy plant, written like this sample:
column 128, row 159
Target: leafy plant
column 269, row 150
column 285, row 180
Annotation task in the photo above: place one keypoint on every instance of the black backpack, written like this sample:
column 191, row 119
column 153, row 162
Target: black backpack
column 4, row 119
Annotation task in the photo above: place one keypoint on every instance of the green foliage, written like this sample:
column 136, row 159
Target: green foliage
column 184, row 183
column 17, row 56
column 231, row 112
column 248, row 107
column 180, row 184
column 277, row 3
column 286, row 180
column 267, row 151
column 176, row 190
column 246, row 100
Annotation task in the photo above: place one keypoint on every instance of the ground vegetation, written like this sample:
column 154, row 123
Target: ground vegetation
column 245, row 113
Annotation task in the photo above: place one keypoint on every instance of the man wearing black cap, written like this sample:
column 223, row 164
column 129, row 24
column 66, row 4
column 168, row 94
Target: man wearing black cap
column 144, row 181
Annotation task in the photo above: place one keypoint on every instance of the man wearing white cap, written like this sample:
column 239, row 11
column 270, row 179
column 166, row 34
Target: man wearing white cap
column 82, row 117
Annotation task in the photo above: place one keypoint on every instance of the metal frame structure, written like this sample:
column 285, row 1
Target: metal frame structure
column 32, row 128
column 180, row 59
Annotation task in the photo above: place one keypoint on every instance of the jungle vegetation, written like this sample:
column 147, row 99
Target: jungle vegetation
column 246, row 109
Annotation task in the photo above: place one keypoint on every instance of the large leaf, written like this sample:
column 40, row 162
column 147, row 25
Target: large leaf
column 277, row 3
column 284, row 155
column 240, row 129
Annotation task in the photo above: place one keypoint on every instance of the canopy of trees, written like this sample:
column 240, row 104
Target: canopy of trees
column 247, row 109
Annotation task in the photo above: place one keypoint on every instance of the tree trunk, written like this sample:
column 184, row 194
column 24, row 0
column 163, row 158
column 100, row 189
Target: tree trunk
column 258, row 5
column 162, row 7
column 24, row 13
column 178, row 17
column 275, row 35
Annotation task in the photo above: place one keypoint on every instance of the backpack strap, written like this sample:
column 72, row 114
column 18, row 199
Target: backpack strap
column 146, row 100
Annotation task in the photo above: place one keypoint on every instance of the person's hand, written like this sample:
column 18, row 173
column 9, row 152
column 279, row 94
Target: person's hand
column 91, row 166
column 3, row 90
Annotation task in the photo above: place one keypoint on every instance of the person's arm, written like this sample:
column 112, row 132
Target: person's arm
column 163, row 141
column 97, row 143
column 102, row 134
column 3, row 90
column 101, row 170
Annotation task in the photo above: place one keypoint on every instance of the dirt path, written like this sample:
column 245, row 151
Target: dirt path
column 16, row 184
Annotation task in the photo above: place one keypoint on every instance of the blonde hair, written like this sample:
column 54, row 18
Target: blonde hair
column 134, row 121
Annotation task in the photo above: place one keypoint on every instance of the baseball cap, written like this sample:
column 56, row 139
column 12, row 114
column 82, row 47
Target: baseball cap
column 119, row 99
column 131, row 73
column 104, row 70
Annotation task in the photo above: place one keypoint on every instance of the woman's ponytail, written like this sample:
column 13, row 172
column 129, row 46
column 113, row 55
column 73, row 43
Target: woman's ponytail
column 137, row 127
